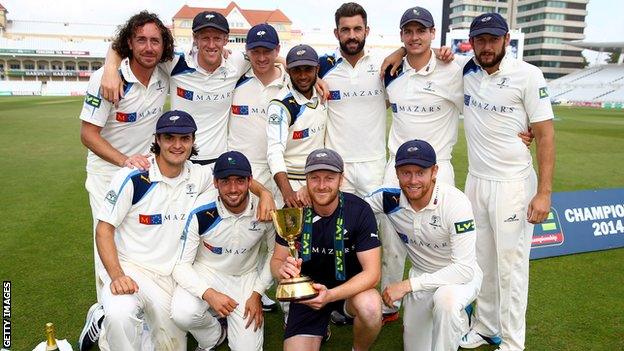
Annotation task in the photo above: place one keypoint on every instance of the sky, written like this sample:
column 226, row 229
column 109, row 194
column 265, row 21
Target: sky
column 383, row 16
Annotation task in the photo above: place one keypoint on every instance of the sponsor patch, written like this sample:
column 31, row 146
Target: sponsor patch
column 111, row 197
column 126, row 117
column 543, row 92
column 465, row 226
column 334, row 95
column 301, row 134
column 93, row 100
column 150, row 219
column 214, row 249
column 185, row 94
column 403, row 237
column 466, row 100
column 242, row 110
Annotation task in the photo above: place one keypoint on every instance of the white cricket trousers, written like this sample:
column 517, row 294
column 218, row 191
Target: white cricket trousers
column 394, row 253
column 435, row 319
column 262, row 174
column 96, row 185
column 195, row 315
column 362, row 178
column 125, row 314
column 503, row 247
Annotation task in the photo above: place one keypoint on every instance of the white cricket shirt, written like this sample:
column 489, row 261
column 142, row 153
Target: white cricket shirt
column 248, row 115
column 496, row 108
column 207, row 97
column 440, row 238
column 425, row 105
column 356, row 127
column 148, row 227
column 296, row 127
column 216, row 241
column 129, row 127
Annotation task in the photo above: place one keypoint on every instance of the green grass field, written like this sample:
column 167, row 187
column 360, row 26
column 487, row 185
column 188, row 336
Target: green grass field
column 575, row 302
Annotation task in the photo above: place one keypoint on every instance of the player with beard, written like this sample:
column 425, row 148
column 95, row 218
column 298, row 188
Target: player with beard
column 435, row 222
column 296, row 123
column 218, row 272
column 503, row 96
column 337, row 224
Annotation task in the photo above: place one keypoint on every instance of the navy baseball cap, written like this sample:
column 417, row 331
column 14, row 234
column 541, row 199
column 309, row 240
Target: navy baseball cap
column 324, row 159
column 417, row 14
column 262, row 35
column 210, row 19
column 415, row 152
column 301, row 55
column 488, row 23
column 175, row 122
column 231, row 163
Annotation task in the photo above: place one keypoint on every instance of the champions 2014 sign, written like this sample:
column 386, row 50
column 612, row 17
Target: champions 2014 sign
column 581, row 221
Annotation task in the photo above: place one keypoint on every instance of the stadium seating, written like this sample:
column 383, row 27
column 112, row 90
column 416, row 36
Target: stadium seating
column 595, row 86
column 65, row 88
column 20, row 88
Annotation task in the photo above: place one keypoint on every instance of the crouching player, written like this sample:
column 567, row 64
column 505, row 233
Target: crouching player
column 435, row 222
column 218, row 273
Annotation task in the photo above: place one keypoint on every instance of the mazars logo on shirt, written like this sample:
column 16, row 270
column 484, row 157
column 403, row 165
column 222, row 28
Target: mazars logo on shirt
column 213, row 249
column 473, row 103
column 155, row 219
column 126, row 117
column 185, row 94
column 242, row 110
column 301, row 134
column 415, row 108
column 339, row 95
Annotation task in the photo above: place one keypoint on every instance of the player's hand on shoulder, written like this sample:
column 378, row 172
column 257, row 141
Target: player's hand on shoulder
column 394, row 61
column 111, row 86
column 138, row 161
column 253, row 311
column 290, row 268
column 444, row 54
column 322, row 89
column 123, row 285
column 220, row 303
column 322, row 299
column 304, row 196
column 291, row 199
column 266, row 205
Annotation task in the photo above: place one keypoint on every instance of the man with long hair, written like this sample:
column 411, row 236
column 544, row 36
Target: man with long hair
column 118, row 136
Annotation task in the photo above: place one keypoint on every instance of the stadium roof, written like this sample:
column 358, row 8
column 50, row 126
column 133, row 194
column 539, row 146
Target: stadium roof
column 614, row 46
column 252, row 16
column 2, row 8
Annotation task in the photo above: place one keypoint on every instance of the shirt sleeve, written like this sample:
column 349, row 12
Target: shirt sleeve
column 367, row 236
column 239, row 60
column 207, row 180
column 462, row 268
column 168, row 66
column 277, row 136
column 265, row 279
column 118, row 200
column 375, row 201
column 95, row 109
column 183, row 271
column 536, row 100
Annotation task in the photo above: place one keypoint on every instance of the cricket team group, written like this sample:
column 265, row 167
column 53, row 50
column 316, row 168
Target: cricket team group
column 182, row 199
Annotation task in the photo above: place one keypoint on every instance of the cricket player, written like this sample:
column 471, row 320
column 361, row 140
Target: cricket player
column 201, row 83
column 248, row 119
column 296, row 123
column 118, row 136
column 343, row 259
column 436, row 225
column 503, row 96
column 136, row 237
column 218, row 269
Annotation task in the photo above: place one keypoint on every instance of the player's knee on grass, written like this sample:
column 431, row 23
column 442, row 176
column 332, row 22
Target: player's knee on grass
column 366, row 306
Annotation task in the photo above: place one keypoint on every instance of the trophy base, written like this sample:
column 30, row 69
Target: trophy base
column 295, row 289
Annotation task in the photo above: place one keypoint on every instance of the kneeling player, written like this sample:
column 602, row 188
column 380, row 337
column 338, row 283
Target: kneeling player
column 343, row 259
column 435, row 222
column 223, row 239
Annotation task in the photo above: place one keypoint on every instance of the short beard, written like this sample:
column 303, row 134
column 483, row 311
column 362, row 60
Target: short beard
column 497, row 59
column 307, row 91
column 345, row 49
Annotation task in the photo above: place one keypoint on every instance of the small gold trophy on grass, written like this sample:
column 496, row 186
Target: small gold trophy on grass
column 288, row 225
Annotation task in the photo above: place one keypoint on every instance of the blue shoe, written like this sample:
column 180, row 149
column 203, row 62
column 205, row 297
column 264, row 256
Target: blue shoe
column 93, row 325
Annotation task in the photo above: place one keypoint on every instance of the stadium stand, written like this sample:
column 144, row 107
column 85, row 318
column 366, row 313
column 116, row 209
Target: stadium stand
column 64, row 88
column 20, row 88
column 599, row 86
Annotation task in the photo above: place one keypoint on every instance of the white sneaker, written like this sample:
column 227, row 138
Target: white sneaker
column 472, row 340
column 268, row 304
column 91, row 330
